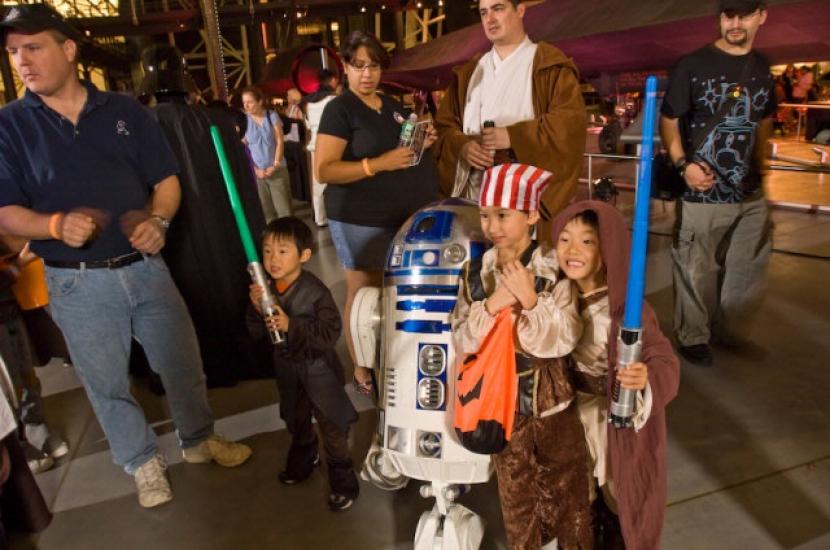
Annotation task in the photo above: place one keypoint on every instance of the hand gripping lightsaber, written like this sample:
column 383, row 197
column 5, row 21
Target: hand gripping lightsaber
column 629, row 341
column 268, row 303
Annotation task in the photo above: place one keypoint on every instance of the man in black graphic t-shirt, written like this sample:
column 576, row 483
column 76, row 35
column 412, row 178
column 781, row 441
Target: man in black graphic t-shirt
column 720, row 102
column 701, row 83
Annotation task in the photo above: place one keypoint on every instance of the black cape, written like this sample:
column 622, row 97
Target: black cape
column 22, row 508
column 308, row 359
column 295, row 158
column 203, row 249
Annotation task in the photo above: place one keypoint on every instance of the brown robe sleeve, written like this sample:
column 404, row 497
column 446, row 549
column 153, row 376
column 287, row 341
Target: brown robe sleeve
column 450, row 126
column 663, row 365
column 554, row 140
column 638, row 459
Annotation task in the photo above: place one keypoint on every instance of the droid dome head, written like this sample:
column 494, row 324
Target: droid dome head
column 165, row 71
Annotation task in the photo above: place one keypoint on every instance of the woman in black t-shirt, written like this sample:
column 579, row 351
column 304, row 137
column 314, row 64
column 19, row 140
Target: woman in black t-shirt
column 372, row 187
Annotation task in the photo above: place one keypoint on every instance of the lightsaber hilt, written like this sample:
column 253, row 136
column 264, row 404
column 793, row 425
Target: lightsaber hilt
column 268, row 302
column 629, row 350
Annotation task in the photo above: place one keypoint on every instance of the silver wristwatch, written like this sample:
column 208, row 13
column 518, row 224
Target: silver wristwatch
column 165, row 223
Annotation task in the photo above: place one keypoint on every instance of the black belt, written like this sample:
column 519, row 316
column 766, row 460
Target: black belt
column 112, row 263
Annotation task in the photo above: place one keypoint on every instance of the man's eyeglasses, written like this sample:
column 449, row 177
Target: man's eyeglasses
column 360, row 67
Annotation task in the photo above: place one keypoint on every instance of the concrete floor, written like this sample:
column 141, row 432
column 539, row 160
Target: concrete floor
column 749, row 442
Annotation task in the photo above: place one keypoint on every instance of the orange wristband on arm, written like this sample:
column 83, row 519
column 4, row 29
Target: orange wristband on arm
column 55, row 222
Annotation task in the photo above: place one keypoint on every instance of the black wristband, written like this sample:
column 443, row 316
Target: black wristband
column 681, row 167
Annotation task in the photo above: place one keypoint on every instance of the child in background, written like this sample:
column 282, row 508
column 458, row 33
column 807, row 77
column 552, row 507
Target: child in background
column 308, row 372
column 542, row 473
column 628, row 465
column 40, row 443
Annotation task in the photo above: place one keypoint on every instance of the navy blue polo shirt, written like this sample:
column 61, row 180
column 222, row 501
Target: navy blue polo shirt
column 109, row 161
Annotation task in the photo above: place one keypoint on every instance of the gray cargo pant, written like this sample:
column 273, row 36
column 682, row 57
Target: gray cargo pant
column 275, row 194
column 719, row 254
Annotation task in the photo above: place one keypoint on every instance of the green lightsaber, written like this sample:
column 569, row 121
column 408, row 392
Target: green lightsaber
column 268, row 303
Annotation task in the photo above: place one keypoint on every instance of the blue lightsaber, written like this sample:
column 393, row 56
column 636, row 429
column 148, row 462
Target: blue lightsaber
column 629, row 341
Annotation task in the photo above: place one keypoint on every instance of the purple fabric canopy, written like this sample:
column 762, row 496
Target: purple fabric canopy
column 602, row 37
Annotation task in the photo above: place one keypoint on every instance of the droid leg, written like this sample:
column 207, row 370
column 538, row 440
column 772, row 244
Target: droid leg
column 379, row 471
column 449, row 525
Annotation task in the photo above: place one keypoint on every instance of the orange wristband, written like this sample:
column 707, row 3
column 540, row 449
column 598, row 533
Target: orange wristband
column 366, row 169
column 54, row 225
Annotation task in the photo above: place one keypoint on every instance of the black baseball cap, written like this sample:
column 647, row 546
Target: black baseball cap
column 740, row 7
column 33, row 18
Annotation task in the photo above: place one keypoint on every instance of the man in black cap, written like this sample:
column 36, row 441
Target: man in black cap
column 717, row 117
column 89, row 178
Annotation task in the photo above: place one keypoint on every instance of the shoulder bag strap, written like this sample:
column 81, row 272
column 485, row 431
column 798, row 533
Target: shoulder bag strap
column 700, row 135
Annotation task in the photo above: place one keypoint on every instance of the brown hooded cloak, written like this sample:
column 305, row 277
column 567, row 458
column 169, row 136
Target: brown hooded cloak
column 554, row 140
column 637, row 459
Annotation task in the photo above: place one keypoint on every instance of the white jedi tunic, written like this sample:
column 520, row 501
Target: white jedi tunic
column 501, row 90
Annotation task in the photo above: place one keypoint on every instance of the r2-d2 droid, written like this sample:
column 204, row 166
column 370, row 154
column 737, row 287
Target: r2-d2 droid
column 415, row 367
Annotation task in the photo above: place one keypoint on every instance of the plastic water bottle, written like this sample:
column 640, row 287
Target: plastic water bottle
column 408, row 130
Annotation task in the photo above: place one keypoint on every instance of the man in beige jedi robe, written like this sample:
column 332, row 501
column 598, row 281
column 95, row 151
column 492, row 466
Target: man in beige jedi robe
column 531, row 92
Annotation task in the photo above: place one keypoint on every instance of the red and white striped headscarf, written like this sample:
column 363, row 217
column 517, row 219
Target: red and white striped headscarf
column 514, row 186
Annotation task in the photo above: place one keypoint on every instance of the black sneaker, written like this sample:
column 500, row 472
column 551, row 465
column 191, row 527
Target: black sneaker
column 699, row 354
column 292, row 478
column 338, row 503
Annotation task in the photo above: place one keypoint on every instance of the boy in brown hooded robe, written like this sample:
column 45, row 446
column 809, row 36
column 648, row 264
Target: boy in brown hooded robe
column 628, row 465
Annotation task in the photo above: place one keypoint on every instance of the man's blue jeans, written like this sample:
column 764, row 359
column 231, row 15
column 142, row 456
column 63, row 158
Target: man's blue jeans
column 99, row 311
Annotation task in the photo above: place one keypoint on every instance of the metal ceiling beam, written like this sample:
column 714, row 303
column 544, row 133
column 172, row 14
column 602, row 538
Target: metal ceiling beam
column 178, row 20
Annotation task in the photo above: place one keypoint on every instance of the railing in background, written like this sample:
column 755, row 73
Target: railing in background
column 801, row 109
column 632, row 186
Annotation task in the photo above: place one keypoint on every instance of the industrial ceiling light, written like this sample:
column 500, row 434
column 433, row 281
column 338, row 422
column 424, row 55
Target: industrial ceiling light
column 362, row 9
